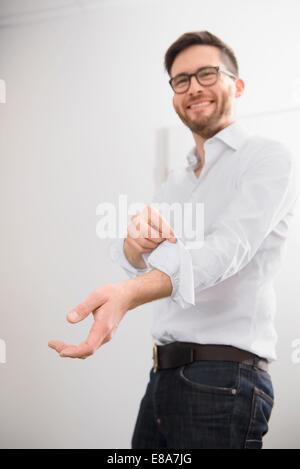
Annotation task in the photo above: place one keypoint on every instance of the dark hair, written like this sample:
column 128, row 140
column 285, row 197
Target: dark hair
column 201, row 38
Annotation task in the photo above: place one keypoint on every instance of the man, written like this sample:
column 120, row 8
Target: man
column 213, row 328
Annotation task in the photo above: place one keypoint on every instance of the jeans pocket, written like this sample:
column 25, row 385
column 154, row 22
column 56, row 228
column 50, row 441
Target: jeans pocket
column 262, row 405
column 217, row 378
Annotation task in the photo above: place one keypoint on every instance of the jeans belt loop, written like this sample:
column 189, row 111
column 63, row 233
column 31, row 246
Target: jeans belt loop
column 256, row 361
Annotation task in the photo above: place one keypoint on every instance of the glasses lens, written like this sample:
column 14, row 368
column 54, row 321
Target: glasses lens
column 180, row 84
column 207, row 76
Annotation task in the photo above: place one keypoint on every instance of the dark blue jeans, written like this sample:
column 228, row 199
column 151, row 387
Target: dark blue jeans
column 206, row 404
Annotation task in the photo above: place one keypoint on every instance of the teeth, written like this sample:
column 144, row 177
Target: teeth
column 200, row 104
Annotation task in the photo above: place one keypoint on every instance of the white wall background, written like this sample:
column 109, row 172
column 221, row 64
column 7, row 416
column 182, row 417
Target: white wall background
column 87, row 102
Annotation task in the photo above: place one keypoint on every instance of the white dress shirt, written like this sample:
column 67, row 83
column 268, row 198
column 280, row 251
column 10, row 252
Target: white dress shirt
column 223, row 292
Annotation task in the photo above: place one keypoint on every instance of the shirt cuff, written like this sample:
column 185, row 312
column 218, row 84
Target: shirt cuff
column 175, row 260
column 117, row 255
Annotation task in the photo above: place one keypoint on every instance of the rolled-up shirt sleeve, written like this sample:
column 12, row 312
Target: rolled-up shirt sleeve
column 265, row 193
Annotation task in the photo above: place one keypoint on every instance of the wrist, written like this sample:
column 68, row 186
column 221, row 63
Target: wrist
column 128, row 292
column 134, row 258
column 147, row 287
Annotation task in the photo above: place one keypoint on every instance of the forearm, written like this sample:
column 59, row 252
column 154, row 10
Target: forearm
column 135, row 259
column 147, row 287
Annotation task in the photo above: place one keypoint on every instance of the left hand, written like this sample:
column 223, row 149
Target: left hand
column 108, row 303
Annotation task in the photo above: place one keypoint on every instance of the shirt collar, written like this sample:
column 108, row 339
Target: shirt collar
column 234, row 135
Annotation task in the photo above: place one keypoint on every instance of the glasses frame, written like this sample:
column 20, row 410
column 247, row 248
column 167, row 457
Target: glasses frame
column 190, row 75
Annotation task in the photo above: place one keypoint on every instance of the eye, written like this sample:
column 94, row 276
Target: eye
column 207, row 73
column 180, row 80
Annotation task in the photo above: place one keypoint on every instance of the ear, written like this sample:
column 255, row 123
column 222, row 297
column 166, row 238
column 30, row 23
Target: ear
column 239, row 87
column 173, row 103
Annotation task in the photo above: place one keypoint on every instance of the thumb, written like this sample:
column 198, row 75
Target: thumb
column 93, row 301
column 79, row 313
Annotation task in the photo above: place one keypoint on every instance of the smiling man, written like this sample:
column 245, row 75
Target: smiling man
column 210, row 109
column 213, row 328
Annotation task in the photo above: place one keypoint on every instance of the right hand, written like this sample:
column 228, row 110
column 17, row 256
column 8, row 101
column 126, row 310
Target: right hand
column 147, row 230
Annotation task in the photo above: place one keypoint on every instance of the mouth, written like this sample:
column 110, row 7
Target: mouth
column 200, row 105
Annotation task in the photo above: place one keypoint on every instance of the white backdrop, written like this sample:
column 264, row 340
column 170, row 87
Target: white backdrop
column 87, row 106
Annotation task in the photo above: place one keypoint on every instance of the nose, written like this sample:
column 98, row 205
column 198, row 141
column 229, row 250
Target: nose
column 194, row 86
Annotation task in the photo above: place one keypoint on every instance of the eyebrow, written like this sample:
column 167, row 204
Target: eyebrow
column 186, row 73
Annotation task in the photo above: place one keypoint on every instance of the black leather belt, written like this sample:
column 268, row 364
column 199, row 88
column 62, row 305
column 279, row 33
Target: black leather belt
column 178, row 354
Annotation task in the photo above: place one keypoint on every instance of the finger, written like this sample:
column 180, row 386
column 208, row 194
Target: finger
column 133, row 228
column 139, row 228
column 150, row 243
column 146, row 243
column 157, row 240
column 148, row 231
column 81, row 311
column 82, row 350
column 157, row 221
column 164, row 231
column 57, row 345
column 97, row 334
column 136, row 246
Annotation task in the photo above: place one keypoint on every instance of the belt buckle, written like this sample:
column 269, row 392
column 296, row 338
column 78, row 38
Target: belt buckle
column 155, row 358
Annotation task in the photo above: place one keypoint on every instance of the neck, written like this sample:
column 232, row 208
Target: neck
column 200, row 138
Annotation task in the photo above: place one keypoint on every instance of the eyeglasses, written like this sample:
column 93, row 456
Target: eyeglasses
column 206, row 76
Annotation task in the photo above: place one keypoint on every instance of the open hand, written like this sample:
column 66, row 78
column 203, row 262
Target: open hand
column 108, row 304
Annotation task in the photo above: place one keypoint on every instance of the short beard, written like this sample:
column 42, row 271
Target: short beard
column 208, row 126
